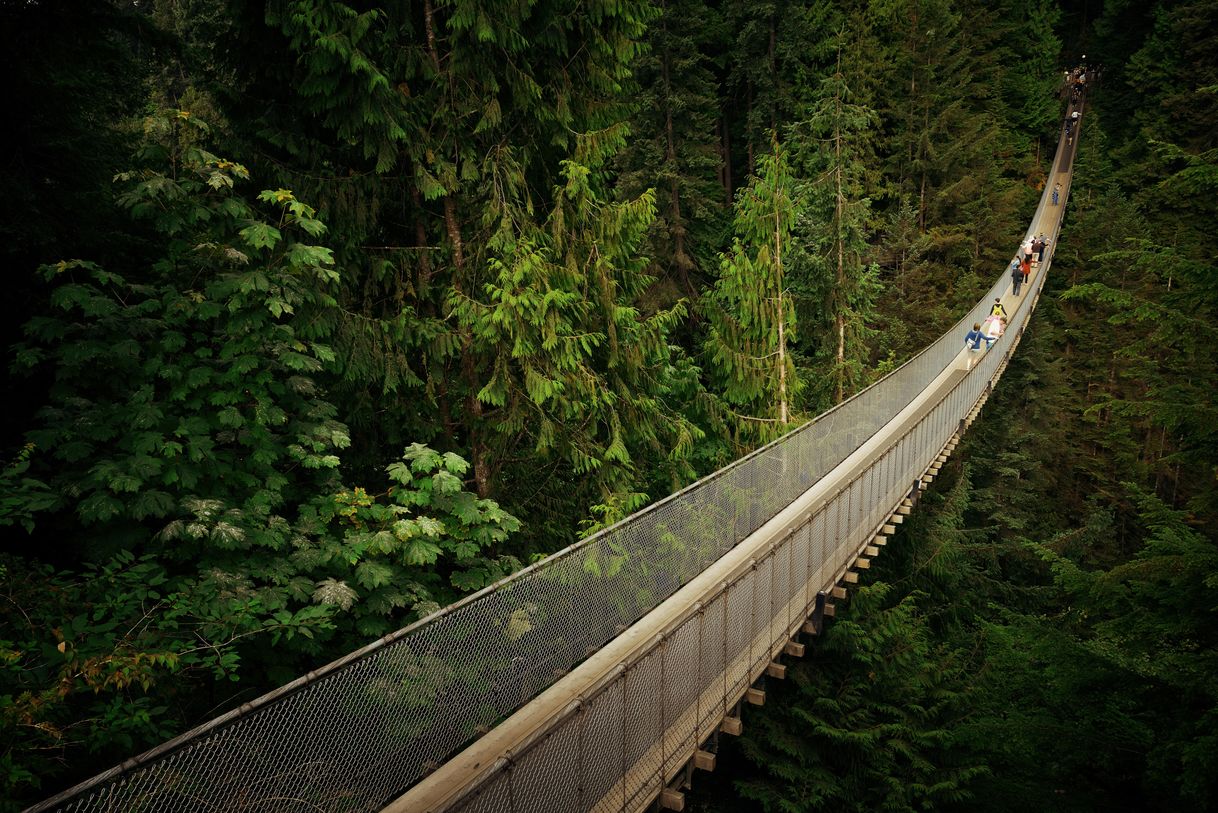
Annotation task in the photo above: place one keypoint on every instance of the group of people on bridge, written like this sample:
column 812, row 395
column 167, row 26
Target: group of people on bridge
column 987, row 332
column 1028, row 259
column 1072, row 91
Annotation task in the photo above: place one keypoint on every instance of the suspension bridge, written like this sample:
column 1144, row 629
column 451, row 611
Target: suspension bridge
column 600, row 678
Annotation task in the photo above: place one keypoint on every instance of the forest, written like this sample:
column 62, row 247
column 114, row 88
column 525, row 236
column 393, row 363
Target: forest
column 326, row 314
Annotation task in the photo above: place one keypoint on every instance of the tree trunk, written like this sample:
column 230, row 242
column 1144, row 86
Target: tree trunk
column 677, row 223
column 420, row 239
column 727, row 158
column 782, row 319
column 469, row 367
column 774, row 74
column 838, row 215
column 748, row 126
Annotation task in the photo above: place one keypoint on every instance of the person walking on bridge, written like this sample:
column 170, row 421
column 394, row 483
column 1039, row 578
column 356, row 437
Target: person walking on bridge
column 1038, row 247
column 1016, row 277
column 1057, row 191
column 997, row 310
column 972, row 342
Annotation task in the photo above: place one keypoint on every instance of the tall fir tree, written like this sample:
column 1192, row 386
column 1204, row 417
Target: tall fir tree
column 832, row 144
column 674, row 147
column 750, row 312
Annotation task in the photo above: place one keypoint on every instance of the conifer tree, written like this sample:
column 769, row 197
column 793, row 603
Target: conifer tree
column 674, row 145
column 832, row 146
column 577, row 376
column 751, row 314
column 943, row 147
column 775, row 44
column 874, row 725
column 1028, row 73
column 426, row 132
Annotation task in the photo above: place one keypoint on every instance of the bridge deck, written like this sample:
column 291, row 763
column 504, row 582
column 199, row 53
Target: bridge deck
column 590, row 742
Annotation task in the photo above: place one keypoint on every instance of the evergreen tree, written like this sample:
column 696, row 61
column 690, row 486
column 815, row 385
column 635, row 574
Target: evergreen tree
column 578, row 369
column 771, row 57
column 674, row 147
column 750, row 313
column 832, row 143
column 873, row 725
column 428, row 134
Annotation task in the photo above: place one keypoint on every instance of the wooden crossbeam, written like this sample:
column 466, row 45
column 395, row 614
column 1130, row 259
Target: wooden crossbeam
column 850, row 578
column 755, row 697
column 838, row 591
column 672, row 799
column 704, row 760
column 861, row 563
column 794, row 649
column 776, row 670
column 731, row 725
column 830, row 610
column 871, row 550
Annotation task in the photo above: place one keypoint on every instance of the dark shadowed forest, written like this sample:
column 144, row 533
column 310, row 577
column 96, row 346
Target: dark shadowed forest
column 326, row 314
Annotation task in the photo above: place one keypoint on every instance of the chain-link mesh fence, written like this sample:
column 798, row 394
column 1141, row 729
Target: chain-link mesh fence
column 355, row 734
column 673, row 695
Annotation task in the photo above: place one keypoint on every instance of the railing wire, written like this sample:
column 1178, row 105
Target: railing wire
column 355, row 734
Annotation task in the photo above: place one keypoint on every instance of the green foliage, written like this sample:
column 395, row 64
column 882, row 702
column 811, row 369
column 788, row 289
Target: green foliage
column 750, row 313
column 519, row 197
column 833, row 142
column 92, row 662
column 188, row 453
column 874, row 724
column 419, row 546
column 188, row 380
column 673, row 146
column 1153, row 617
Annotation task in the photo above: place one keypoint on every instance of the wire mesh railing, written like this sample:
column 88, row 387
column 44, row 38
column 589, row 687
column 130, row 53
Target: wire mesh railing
column 355, row 734
column 621, row 743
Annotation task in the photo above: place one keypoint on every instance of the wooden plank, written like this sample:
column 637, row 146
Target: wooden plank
column 794, row 649
column 731, row 725
column 889, row 529
column 880, row 540
column 755, row 697
column 704, row 760
column 776, row 670
column 672, row 799
column 897, row 519
column 904, row 511
column 838, row 591
column 830, row 610
column 871, row 550
column 861, row 563
column 850, row 578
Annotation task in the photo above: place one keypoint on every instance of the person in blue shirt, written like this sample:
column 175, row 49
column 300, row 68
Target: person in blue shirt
column 974, row 338
column 972, row 342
